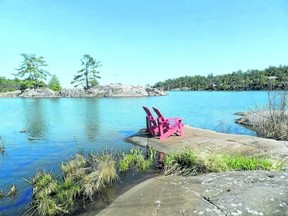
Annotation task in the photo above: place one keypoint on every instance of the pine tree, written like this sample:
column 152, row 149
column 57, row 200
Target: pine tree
column 87, row 76
column 31, row 68
column 54, row 83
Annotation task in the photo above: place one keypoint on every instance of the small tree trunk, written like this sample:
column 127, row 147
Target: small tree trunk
column 86, row 77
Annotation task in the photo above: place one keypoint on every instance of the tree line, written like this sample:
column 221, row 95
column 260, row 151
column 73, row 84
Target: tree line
column 32, row 74
column 275, row 78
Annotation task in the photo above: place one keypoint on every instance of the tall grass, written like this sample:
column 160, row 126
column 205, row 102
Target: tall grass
column 44, row 202
column 135, row 158
column 188, row 163
column 220, row 163
column 81, row 177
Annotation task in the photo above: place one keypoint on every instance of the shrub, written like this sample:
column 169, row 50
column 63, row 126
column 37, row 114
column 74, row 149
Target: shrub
column 54, row 83
column 272, row 122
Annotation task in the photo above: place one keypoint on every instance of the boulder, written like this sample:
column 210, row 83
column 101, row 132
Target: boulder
column 155, row 92
column 118, row 90
column 10, row 94
column 73, row 93
column 37, row 93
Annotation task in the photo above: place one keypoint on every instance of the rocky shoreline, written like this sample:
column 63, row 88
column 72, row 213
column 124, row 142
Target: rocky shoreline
column 111, row 90
column 253, row 118
column 225, row 193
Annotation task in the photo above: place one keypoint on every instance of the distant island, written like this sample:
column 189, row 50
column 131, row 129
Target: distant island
column 271, row 78
column 34, row 84
column 111, row 90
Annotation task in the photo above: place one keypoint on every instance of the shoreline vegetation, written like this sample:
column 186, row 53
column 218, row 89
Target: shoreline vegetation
column 271, row 78
column 83, row 178
column 271, row 121
column 275, row 78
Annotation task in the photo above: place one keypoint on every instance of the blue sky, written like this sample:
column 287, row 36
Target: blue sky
column 142, row 42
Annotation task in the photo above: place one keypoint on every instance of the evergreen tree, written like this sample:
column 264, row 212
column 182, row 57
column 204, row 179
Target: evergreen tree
column 87, row 76
column 54, row 83
column 270, row 78
column 31, row 68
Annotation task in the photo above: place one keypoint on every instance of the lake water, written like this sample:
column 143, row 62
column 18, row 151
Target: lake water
column 40, row 133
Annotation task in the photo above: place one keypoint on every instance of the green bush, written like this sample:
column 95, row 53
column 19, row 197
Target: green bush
column 54, row 83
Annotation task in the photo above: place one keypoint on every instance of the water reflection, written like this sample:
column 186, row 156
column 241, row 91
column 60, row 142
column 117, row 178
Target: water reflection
column 36, row 122
column 92, row 120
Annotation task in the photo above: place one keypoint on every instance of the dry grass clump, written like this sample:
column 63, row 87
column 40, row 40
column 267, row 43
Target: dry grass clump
column 102, row 173
column 75, row 167
column 12, row 191
column 81, row 177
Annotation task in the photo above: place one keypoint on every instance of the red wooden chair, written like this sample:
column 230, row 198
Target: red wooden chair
column 151, row 124
column 168, row 126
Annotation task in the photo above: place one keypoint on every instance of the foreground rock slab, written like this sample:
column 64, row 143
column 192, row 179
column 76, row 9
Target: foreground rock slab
column 209, row 142
column 228, row 193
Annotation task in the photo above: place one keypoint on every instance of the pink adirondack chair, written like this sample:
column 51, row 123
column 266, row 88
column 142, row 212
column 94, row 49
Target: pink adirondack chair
column 168, row 126
column 151, row 124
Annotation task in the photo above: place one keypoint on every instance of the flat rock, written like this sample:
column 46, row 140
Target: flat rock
column 37, row 93
column 228, row 193
column 211, row 142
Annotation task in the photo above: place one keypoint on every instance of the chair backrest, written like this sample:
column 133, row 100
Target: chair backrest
column 150, row 117
column 158, row 113
column 148, row 112
column 151, row 123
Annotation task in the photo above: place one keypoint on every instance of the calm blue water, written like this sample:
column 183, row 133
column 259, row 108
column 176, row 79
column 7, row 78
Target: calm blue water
column 40, row 133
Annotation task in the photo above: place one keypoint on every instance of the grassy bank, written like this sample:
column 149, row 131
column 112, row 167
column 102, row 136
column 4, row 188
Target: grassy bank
column 81, row 179
column 84, row 177
column 188, row 163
